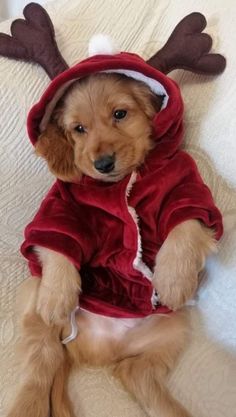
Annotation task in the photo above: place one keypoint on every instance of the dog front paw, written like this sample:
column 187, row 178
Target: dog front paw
column 55, row 307
column 175, row 288
column 179, row 261
column 175, row 277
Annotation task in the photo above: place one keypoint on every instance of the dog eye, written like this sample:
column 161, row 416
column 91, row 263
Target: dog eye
column 119, row 114
column 80, row 129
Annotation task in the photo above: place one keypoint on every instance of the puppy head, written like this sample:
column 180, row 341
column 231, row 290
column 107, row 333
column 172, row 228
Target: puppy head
column 102, row 128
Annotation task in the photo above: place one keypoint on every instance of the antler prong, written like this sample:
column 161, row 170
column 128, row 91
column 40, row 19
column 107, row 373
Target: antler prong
column 187, row 48
column 33, row 39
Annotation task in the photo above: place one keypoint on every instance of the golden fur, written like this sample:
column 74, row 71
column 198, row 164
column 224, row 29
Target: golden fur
column 91, row 102
column 143, row 352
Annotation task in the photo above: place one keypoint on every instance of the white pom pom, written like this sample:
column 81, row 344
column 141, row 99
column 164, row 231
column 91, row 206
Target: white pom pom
column 102, row 45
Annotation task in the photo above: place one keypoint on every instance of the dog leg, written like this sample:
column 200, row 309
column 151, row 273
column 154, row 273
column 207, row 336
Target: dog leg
column 61, row 405
column 144, row 374
column 153, row 396
column 179, row 261
column 59, row 289
column 41, row 353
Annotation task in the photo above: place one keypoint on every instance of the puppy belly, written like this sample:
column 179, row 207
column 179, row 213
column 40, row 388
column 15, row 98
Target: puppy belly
column 100, row 327
column 104, row 340
column 99, row 339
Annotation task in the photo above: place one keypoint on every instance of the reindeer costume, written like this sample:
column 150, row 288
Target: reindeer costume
column 122, row 288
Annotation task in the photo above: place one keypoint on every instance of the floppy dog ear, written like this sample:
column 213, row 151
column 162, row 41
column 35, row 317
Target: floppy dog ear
column 147, row 100
column 54, row 146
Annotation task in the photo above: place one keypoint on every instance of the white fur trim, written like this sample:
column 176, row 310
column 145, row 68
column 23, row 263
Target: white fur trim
column 153, row 84
column 138, row 263
column 155, row 298
column 102, row 45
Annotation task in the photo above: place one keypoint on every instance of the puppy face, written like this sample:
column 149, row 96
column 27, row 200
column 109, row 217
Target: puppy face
column 101, row 128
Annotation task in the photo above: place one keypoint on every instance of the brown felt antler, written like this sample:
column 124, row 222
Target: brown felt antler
column 187, row 48
column 33, row 39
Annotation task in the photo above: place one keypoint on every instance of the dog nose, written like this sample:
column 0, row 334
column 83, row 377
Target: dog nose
column 105, row 164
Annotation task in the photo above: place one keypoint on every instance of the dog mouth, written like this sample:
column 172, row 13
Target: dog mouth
column 111, row 177
column 116, row 175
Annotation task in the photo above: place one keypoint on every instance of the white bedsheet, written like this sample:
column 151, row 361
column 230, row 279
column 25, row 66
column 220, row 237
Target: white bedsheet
column 205, row 379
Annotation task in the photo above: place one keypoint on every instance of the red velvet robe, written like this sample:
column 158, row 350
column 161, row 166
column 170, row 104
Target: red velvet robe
column 112, row 232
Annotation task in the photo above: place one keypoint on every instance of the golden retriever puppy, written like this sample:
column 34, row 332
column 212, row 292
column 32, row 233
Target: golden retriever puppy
column 102, row 129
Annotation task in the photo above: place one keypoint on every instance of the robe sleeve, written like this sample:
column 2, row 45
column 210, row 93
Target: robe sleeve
column 60, row 226
column 189, row 199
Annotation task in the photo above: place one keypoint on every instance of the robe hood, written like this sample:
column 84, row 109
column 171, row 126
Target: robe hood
column 167, row 123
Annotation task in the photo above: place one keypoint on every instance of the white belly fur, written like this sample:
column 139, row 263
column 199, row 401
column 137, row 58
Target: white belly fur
column 106, row 327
